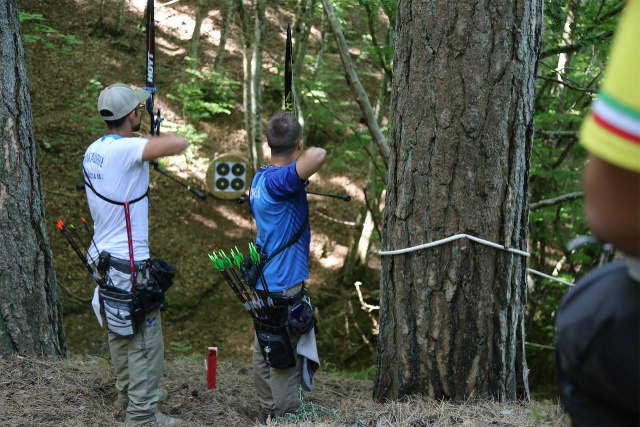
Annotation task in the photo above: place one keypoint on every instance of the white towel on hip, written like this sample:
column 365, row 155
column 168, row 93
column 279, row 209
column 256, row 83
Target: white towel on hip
column 308, row 349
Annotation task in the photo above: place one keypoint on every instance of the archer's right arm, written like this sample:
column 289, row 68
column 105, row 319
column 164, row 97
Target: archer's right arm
column 163, row 145
column 310, row 162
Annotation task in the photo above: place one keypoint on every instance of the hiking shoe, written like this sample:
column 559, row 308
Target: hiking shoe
column 123, row 401
column 265, row 417
column 159, row 419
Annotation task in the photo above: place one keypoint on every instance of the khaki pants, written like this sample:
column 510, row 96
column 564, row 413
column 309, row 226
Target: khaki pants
column 277, row 389
column 138, row 364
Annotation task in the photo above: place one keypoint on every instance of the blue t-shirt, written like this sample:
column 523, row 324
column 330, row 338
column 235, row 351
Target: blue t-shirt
column 279, row 205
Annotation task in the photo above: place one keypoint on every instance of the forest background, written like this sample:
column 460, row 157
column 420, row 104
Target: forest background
column 200, row 90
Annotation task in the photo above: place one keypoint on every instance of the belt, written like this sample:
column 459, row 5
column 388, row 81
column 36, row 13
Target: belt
column 123, row 265
column 279, row 299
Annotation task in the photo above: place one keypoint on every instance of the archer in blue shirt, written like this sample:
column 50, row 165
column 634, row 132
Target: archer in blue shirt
column 280, row 207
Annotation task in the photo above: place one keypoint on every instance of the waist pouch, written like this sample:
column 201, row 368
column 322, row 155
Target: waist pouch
column 275, row 345
column 280, row 300
column 121, row 311
column 150, row 297
column 163, row 273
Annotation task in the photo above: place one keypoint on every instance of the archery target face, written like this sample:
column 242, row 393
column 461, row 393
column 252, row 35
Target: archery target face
column 228, row 176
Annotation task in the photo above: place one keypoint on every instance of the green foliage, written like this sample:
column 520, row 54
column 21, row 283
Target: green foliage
column 183, row 350
column 84, row 112
column 84, row 109
column 190, row 133
column 35, row 31
column 362, row 374
column 204, row 94
column 537, row 415
column 571, row 67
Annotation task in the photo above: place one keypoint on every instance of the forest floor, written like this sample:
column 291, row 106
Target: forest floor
column 202, row 312
column 79, row 391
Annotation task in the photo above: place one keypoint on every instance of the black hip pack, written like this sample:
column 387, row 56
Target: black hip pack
column 275, row 345
column 150, row 293
column 291, row 316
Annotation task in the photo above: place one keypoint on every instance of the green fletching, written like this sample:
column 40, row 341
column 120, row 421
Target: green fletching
column 253, row 253
column 225, row 259
column 216, row 262
column 237, row 257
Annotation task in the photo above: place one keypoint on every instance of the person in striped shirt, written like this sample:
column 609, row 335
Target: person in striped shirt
column 598, row 323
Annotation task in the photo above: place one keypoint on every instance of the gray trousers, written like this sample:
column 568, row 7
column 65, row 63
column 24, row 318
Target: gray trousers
column 138, row 363
column 277, row 389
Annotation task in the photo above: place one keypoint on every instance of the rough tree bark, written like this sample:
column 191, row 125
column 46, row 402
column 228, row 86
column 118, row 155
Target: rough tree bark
column 452, row 317
column 30, row 312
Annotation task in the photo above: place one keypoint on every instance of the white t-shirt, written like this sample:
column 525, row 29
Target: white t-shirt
column 115, row 170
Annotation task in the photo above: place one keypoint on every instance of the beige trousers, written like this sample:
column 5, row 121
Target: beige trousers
column 277, row 389
column 138, row 363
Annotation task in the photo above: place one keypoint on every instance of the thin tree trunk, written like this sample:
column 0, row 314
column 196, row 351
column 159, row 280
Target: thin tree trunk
column 30, row 312
column 246, row 81
column 298, row 27
column 323, row 31
column 564, row 58
column 256, row 77
column 195, row 38
column 452, row 316
column 303, row 27
column 224, row 33
column 120, row 16
column 361, row 96
column 358, row 253
column 251, row 87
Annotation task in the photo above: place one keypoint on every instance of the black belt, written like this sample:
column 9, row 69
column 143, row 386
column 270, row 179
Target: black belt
column 123, row 265
column 279, row 299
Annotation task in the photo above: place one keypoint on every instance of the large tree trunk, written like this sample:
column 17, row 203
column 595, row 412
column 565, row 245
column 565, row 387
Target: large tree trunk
column 30, row 313
column 452, row 317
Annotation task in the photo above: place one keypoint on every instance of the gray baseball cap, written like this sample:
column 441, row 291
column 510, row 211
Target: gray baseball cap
column 118, row 100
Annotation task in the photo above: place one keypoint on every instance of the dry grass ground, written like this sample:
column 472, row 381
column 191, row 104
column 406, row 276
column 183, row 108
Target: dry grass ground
column 79, row 391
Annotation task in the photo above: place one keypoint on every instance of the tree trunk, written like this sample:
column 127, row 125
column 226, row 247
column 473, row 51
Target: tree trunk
column 224, row 33
column 256, row 78
column 252, row 85
column 302, row 32
column 315, row 69
column 359, row 252
column 354, row 83
column 452, row 317
column 30, row 312
column 120, row 16
column 195, row 38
